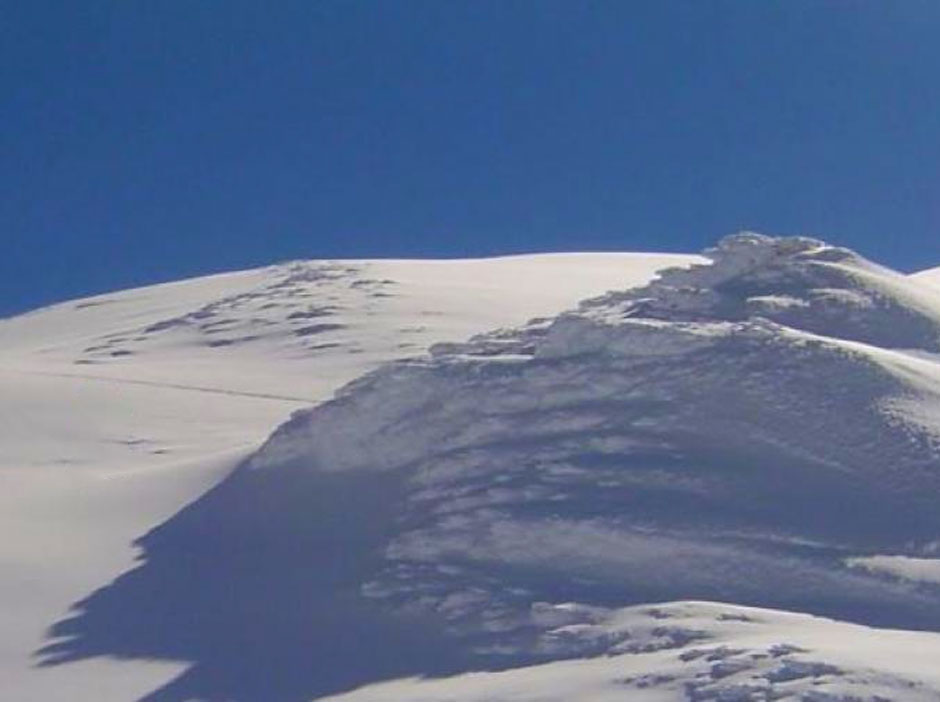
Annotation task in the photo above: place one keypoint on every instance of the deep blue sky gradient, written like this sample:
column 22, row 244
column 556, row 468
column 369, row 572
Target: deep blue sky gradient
column 147, row 141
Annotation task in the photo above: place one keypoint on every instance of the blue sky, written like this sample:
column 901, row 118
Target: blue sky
column 147, row 141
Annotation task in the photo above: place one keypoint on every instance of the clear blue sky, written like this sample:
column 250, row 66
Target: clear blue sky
column 147, row 141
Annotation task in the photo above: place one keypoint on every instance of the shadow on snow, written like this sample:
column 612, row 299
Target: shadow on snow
column 256, row 583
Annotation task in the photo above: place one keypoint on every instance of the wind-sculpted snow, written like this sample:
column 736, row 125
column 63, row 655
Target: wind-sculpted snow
column 732, row 431
column 758, row 430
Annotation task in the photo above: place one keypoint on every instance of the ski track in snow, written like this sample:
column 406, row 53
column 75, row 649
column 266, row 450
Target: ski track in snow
column 174, row 386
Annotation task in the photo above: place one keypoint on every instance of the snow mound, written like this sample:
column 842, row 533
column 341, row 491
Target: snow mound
column 732, row 431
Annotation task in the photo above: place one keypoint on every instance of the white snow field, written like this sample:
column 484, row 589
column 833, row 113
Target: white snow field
column 718, row 485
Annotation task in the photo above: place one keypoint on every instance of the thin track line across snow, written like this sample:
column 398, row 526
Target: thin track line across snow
column 172, row 386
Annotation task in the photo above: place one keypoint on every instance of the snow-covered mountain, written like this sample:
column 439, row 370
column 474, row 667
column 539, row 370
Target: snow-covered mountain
column 609, row 502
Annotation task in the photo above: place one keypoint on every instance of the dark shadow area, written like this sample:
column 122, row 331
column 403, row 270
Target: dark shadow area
column 750, row 524
column 256, row 583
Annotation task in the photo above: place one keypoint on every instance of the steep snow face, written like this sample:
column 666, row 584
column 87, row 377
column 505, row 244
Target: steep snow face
column 734, row 432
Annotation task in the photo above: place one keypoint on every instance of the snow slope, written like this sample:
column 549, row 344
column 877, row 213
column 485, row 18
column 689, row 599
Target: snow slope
column 117, row 410
column 759, row 429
